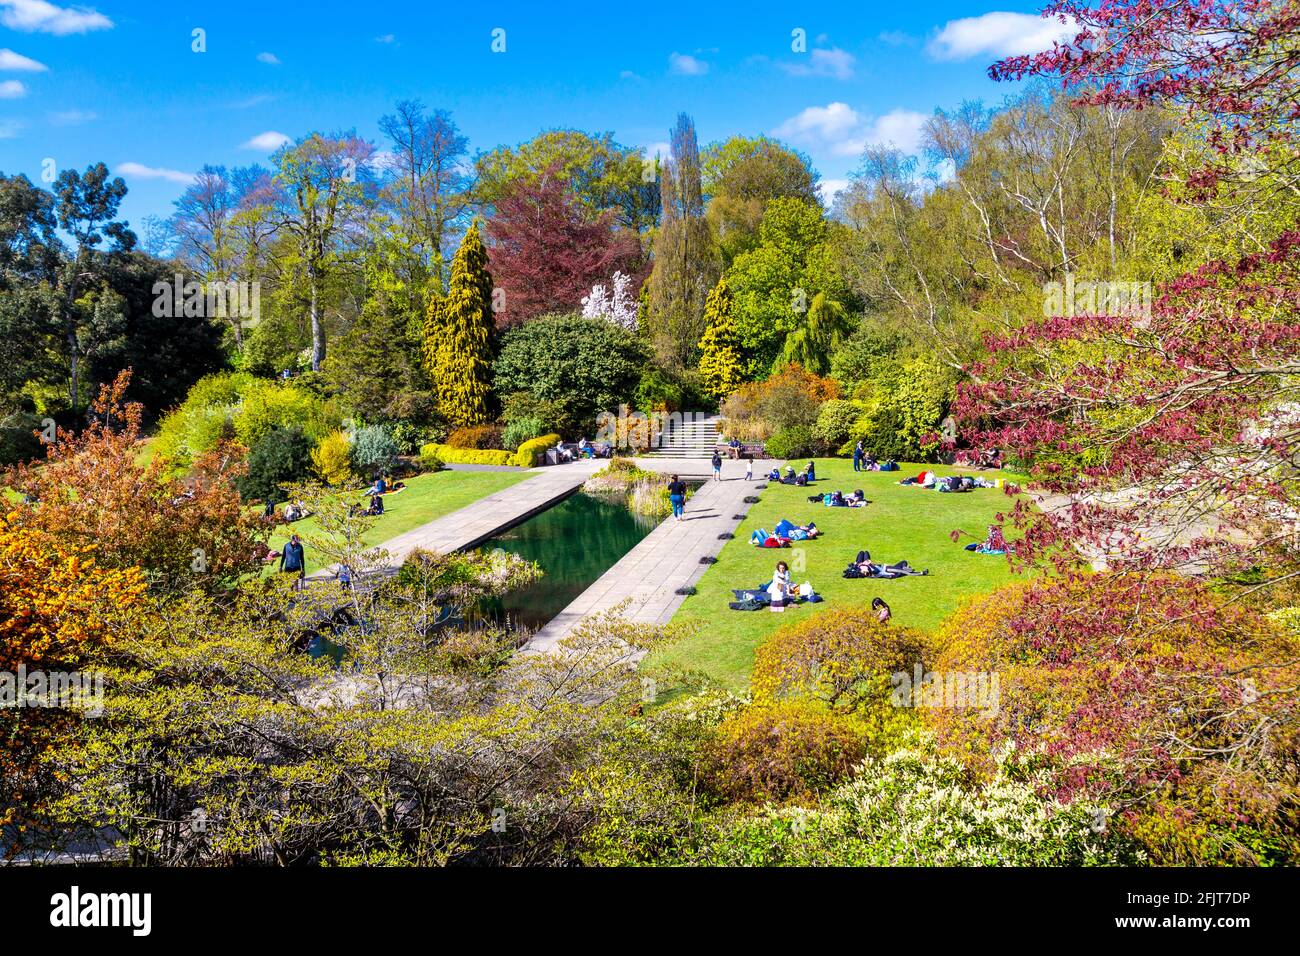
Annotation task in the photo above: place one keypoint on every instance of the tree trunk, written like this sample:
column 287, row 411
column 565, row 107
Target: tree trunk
column 317, row 329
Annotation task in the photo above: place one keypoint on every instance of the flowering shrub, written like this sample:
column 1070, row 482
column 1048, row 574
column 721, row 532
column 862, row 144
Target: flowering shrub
column 332, row 459
column 913, row 808
column 475, row 436
column 791, row 397
column 1142, row 691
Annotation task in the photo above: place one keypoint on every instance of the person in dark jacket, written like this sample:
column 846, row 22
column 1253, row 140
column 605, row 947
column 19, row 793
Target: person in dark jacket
column 677, row 496
column 293, row 560
column 717, row 466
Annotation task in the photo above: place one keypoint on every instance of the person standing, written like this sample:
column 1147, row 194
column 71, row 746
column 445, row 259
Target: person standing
column 749, row 467
column 857, row 457
column 677, row 496
column 717, row 466
column 293, row 559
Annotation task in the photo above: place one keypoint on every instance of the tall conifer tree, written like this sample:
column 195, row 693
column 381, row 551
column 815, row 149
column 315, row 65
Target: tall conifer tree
column 458, row 337
column 721, row 368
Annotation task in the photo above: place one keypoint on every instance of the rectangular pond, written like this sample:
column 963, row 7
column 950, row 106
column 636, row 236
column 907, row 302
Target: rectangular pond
column 575, row 542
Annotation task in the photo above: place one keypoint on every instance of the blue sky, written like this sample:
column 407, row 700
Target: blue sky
column 118, row 81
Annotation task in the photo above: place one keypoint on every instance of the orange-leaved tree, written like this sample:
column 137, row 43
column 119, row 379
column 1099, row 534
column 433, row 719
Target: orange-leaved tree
column 91, row 489
column 58, row 610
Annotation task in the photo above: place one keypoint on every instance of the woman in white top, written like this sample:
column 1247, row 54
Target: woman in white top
column 780, row 586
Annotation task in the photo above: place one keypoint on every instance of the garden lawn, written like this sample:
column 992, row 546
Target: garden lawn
column 902, row 522
column 426, row 497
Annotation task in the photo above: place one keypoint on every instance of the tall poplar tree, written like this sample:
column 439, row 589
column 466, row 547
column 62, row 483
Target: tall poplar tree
column 458, row 336
column 685, row 261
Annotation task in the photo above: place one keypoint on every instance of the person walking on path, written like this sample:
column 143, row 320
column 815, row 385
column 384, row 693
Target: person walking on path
column 293, row 560
column 717, row 466
column 857, row 457
column 749, row 467
column 677, row 496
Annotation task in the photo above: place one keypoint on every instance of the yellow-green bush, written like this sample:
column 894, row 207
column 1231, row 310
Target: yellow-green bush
column 782, row 750
column 333, row 460
column 465, row 456
column 531, row 451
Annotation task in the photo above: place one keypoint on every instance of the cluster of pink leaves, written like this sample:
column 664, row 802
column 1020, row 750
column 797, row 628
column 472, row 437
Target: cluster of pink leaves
column 1171, row 419
column 1230, row 64
column 1124, row 678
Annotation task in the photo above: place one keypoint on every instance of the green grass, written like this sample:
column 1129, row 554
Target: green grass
column 426, row 497
column 902, row 522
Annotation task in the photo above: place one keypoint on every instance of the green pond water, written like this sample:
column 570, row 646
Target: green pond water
column 575, row 542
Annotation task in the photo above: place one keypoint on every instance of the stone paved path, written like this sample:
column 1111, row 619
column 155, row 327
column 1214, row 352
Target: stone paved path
column 475, row 523
column 666, row 559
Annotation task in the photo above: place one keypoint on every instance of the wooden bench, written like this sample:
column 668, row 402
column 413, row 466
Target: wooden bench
column 754, row 449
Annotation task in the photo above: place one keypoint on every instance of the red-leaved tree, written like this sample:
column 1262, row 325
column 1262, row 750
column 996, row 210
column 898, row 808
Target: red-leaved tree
column 546, row 253
column 1167, row 440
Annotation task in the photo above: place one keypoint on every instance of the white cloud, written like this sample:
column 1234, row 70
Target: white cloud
column 833, row 62
column 9, row 60
column 40, row 16
column 72, row 117
column 12, row 90
column 268, row 58
column 249, row 102
column 683, row 64
column 661, row 150
column 821, row 124
column 267, row 142
column 628, row 75
column 899, row 128
column 897, row 38
column 998, row 34
column 386, row 38
column 9, row 128
column 140, row 171
column 830, row 188
column 841, row 130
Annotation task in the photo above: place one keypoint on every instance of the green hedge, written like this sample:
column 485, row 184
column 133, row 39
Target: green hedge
column 466, row 456
column 531, row 451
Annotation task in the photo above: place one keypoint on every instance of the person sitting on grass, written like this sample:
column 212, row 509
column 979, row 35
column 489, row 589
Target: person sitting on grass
column 780, row 588
column 883, row 613
column 376, row 506
column 810, row 472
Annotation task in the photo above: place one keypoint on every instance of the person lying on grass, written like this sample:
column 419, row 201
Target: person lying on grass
column 864, row 567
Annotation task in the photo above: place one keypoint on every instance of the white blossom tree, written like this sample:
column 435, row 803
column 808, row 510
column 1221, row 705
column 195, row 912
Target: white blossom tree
column 618, row 307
